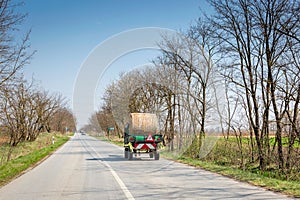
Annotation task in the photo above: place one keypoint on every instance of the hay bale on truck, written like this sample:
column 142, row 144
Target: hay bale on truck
column 143, row 123
column 141, row 135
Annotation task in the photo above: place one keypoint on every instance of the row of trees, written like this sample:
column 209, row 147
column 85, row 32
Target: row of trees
column 25, row 109
column 260, row 40
column 234, row 72
column 25, row 112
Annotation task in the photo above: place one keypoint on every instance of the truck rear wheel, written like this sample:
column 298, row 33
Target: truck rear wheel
column 156, row 156
column 130, row 155
column 126, row 152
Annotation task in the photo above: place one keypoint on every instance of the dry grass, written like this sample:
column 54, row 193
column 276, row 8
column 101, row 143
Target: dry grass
column 28, row 154
column 24, row 148
column 3, row 140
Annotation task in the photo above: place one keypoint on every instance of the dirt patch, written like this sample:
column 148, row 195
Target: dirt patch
column 3, row 140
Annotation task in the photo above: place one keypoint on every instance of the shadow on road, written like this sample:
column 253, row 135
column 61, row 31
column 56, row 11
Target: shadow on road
column 113, row 158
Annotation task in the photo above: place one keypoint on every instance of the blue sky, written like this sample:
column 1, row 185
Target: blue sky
column 64, row 32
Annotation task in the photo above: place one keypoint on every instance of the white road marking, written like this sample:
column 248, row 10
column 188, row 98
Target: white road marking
column 117, row 178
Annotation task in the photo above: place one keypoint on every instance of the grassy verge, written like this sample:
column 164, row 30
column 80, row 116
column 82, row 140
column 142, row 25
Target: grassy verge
column 291, row 188
column 34, row 152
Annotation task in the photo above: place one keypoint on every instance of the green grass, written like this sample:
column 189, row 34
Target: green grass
column 34, row 153
column 291, row 188
column 287, row 187
column 285, row 141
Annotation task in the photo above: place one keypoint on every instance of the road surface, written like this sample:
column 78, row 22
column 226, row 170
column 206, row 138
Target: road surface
column 86, row 168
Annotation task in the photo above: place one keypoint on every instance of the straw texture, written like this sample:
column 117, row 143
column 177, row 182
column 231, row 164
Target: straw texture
column 143, row 123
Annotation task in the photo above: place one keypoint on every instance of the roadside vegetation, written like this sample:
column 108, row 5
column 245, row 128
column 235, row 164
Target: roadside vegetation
column 222, row 160
column 254, row 177
column 28, row 154
column 26, row 109
column 226, row 91
column 29, row 115
column 229, row 159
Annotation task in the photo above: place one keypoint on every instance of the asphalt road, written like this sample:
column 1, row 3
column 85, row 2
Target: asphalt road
column 85, row 168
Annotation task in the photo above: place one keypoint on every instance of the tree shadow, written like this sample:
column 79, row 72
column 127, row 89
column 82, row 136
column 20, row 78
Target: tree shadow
column 114, row 158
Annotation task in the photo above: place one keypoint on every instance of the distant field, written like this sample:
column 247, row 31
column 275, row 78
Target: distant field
column 246, row 140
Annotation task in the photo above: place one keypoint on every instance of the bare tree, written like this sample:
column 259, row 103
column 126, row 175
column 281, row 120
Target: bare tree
column 253, row 38
column 13, row 54
column 27, row 112
column 14, row 106
column 60, row 120
column 13, row 57
column 191, row 56
column 93, row 126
